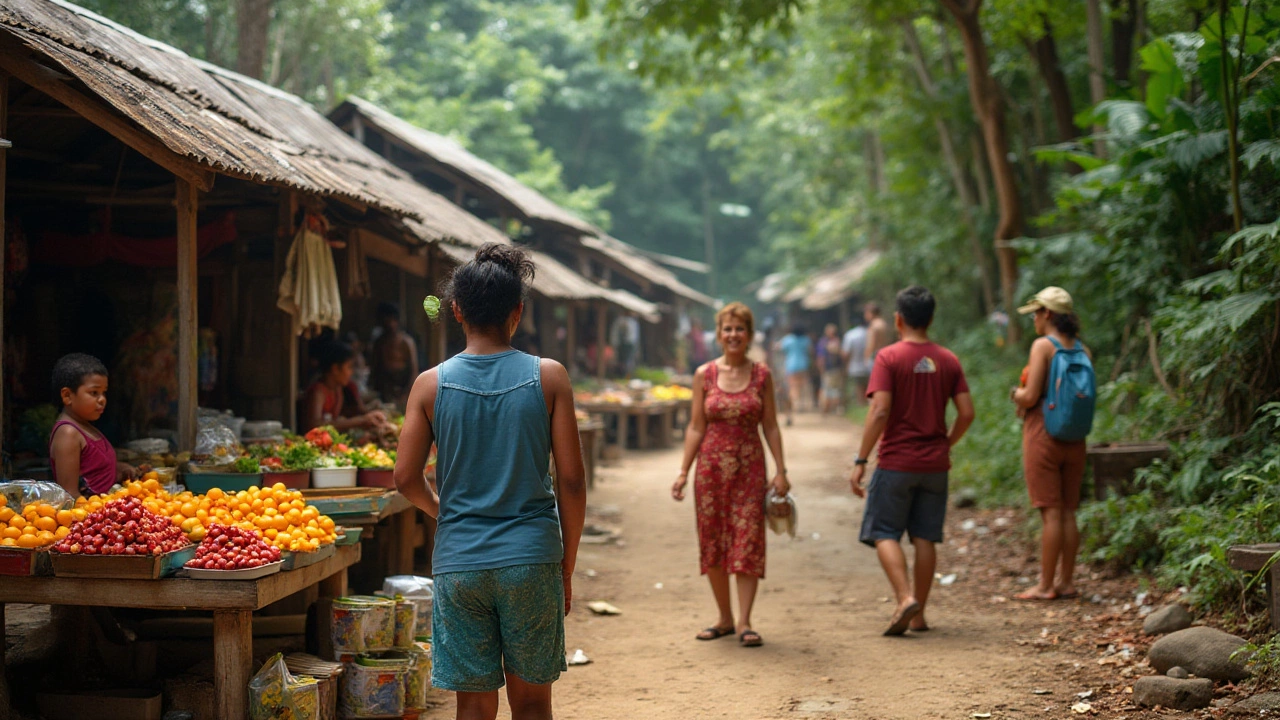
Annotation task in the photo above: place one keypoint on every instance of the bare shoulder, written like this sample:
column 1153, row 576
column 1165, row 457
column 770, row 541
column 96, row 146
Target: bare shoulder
column 554, row 375
column 67, row 433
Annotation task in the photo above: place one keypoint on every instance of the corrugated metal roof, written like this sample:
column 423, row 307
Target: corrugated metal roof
column 447, row 152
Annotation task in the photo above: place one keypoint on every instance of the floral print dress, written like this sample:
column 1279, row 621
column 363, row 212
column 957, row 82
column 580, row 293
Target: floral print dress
column 729, row 487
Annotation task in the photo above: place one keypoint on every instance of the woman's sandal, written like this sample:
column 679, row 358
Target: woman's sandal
column 750, row 638
column 714, row 633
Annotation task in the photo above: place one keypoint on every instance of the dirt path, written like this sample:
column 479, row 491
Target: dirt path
column 821, row 611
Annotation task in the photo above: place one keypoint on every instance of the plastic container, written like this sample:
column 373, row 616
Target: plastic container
column 241, row 574
column 201, row 482
column 343, row 477
column 373, row 688
column 417, row 681
column 406, row 621
column 376, row 477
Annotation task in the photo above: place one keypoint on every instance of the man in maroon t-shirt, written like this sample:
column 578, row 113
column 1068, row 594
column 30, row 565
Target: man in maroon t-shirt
column 911, row 382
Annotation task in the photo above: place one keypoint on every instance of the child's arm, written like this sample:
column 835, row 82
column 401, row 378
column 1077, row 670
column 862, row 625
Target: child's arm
column 64, row 450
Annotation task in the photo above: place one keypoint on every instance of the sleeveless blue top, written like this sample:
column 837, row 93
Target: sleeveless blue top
column 493, row 453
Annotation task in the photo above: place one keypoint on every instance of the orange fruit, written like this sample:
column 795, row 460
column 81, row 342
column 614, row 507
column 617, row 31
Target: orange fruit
column 78, row 514
column 6, row 513
column 65, row 517
column 46, row 524
column 28, row 541
column 30, row 530
column 3, row 501
column 62, row 532
column 8, row 542
column 215, row 494
column 11, row 533
column 46, row 537
column 46, row 510
column 17, row 521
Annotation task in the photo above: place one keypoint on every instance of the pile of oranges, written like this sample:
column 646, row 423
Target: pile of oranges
column 38, row 525
column 280, row 515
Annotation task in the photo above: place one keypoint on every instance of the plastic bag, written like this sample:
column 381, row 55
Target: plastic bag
column 780, row 513
column 216, row 447
column 408, row 586
column 277, row 694
column 20, row 493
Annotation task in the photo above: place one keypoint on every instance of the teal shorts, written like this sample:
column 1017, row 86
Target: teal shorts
column 485, row 623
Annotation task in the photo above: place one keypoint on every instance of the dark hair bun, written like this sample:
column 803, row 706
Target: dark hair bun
column 490, row 287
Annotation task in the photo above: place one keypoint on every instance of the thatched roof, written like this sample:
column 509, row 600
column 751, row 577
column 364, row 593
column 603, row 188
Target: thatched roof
column 555, row 281
column 459, row 161
column 832, row 286
column 454, row 160
column 227, row 122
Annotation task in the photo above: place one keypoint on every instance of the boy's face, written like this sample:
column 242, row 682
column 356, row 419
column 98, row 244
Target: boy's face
column 89, row 400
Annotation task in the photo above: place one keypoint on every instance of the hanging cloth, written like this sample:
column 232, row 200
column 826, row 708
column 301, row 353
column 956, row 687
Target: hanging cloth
column 309, row 289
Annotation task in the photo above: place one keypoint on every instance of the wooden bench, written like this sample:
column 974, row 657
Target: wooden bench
column 1253, row 558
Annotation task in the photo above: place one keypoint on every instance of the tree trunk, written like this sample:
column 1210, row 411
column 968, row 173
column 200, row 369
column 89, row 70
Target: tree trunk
column 964, row 192
column 1123, row 29
column 253, row 19
column 1045, row 52
column 874, row 158
column 982, row 178
column 984, row 94
column 1097, row 82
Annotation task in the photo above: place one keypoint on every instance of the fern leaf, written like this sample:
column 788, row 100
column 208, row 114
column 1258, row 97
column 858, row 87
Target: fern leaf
column 1256, row 152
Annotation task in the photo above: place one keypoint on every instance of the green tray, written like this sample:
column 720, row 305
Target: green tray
column 350, row 536
column 347, row 501
column 295, row 560
column 201, row 483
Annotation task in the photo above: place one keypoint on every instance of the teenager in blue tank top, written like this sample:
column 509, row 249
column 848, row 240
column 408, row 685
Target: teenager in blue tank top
column 507, row 534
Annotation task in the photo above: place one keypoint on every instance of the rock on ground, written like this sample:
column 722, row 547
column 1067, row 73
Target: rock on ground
column 1170, row 618
column 1263, row 705
column 1178, row 673
column 1173, row 693
column 1203, row 651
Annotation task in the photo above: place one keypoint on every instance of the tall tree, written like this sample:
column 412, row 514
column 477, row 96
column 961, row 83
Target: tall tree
column 988, row 106
column 253, row 21
column 1097, row 81
column 1044, row 50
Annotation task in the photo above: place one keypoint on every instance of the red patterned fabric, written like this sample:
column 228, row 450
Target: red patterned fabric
column 729, row 486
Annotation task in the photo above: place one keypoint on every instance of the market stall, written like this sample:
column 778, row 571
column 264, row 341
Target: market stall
column 647, row 414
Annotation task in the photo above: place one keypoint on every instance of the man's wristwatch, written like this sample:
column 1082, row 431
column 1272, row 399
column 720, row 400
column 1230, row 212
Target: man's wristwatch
column 859, row 460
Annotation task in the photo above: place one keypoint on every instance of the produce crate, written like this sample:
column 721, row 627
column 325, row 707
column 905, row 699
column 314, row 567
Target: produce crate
column 121, row 567
column 347, row 501
column 350, row 535
column 292, row 479
column 27, row 561
column 201, row 483
column 295, row 560
column 376, row 478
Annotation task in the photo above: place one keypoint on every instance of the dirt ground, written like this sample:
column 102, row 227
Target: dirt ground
column 821, row 611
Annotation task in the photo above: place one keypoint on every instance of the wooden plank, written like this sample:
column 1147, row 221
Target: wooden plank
column 570, row 336
column 1273, row 596
column 174, row 593
column 1251, row 558
column 232, row 663
column 405, row 525
column 4, row 171
column 50, row 83
column 188, row 280
column 602, row 316
column 288, row 214
column 393, row 253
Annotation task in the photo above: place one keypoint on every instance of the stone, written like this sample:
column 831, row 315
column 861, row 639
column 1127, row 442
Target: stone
column 1178, row 673
column 1203, row 652
column 965, row 498
column 1173, row 693
column 1261, row 705
column 1170, row 618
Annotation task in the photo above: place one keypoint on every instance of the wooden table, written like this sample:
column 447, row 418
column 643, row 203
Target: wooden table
column 591, row 434
column 642, row 415
column 232, row 603
column 396, row 553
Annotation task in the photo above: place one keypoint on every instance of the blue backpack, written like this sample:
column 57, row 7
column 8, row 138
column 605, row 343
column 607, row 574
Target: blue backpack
column 1071, row 394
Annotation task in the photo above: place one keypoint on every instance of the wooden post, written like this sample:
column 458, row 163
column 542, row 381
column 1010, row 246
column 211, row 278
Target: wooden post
column 4, row 170
column 187, row 320
column 570, row 336
column 602, row 316
column 232, row 663
column 440, row 329
column 288, row 211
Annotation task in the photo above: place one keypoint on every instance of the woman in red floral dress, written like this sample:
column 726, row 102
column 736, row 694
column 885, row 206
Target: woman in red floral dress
column 732, row 398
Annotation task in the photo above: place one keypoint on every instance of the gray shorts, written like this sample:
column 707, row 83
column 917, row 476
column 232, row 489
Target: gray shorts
column 898, row 502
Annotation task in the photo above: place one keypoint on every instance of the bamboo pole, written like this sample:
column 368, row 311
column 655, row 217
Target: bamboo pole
column 187, row 294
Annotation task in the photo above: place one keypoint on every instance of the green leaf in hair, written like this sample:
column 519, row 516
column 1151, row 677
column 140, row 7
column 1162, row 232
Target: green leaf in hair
column 431, row 305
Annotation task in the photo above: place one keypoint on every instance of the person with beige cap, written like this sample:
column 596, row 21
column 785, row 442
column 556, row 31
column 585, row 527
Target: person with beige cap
column 1054, row 468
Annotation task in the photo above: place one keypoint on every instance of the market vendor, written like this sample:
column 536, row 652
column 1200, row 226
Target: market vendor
column 81, row 458
column 395, row 358
column 332, row 400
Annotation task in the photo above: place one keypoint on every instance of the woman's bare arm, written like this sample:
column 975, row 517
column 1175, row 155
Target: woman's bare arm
column 1037, row 374
column 693, row 433
column 773, row 437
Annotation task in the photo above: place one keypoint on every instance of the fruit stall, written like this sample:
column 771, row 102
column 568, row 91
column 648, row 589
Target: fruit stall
column 641, row 415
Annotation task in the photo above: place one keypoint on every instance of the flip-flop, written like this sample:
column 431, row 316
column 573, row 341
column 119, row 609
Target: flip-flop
column 714, row 633
column 902, row 619
column 750, row 638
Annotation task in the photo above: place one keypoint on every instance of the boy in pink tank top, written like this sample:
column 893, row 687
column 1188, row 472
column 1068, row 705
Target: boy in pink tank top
column 81, row 458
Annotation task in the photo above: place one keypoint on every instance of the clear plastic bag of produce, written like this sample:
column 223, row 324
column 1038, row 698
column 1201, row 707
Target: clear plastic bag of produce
column 408, row 586
column 277, row 694
column 780, row 513
column 20, row 493
column 215, row 445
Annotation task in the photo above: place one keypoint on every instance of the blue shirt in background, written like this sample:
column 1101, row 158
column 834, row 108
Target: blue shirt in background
column 795, row 349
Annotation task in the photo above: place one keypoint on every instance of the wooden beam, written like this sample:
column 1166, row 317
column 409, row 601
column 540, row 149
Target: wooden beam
column 393, row 253
column 50, row 83
column 570, row 336
column 232, row 662
column 289, row 211
column 4, row 171
column 187, row 320
column 602, row 317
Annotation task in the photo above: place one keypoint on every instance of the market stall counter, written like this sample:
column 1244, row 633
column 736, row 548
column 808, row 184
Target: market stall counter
column 652, row 420
column 232, row 603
